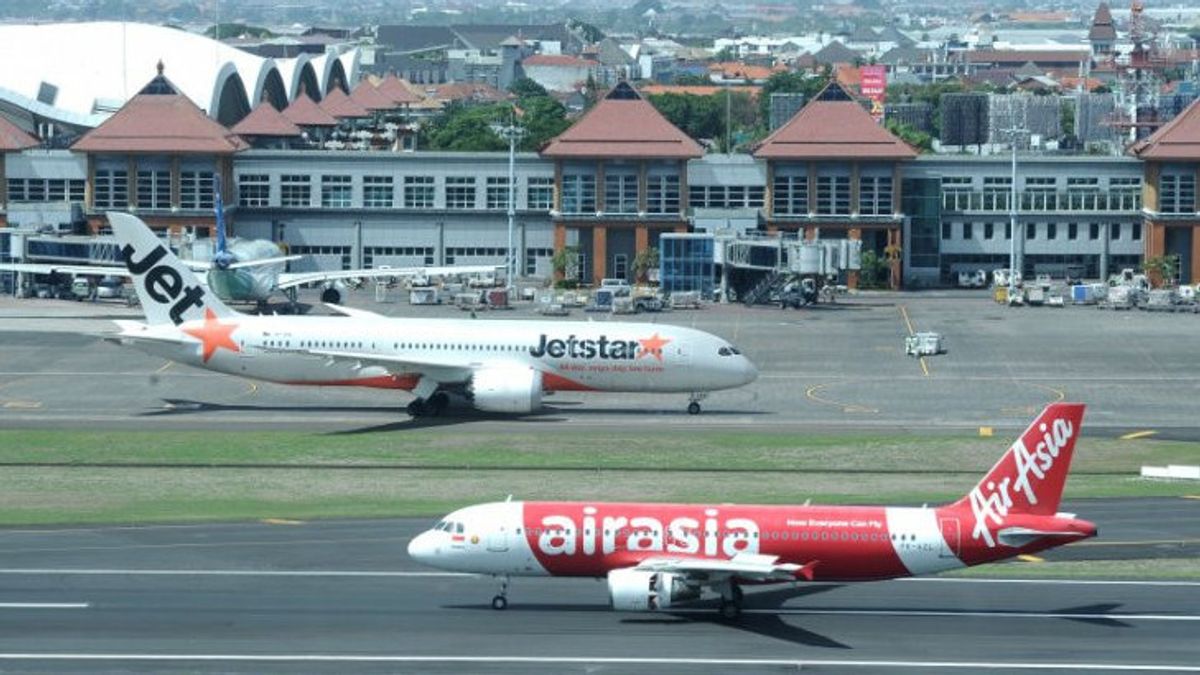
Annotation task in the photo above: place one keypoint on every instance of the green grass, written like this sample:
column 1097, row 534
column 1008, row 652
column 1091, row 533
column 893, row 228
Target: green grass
column 442, row 469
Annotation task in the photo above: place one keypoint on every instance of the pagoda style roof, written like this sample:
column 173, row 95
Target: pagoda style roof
column 339, row 104
column 369, row 97
column 1177, row 140
column 305, row 112
column 1102, row 25
column 396, row 91
column 13, row 138
column 265, row 120
column 623, row 125
column 160, row 120
column 833, row 129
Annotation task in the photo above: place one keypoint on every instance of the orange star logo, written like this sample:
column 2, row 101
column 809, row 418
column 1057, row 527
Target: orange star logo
column 652, row 346
column 213, row 335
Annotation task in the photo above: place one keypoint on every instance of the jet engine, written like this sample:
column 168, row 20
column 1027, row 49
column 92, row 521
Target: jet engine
column 332, row 293
column 632, row 590
column 513, row 389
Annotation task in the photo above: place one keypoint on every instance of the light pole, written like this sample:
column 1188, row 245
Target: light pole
column 512, row 133
column 1012, row 213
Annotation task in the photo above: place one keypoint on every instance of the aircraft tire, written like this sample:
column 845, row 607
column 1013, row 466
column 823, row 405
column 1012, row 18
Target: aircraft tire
column 417, row 408
column 693, row 408
column 499, row 603
column 438, row 403
column 730, row 609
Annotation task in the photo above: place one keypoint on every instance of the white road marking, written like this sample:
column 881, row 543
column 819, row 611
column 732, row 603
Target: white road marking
column 602, row 660
column 230, row 573
column 1058, row 582
column 44, row 605
column 994, row 614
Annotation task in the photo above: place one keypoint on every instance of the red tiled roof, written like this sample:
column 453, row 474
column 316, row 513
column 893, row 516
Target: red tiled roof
column 1102, row 24
column 369, row 97
column 339, row 104
column 1023, row 56
column 735, row 70
column 833, row 130
column 265, row 120
column 623, row 124
column 13, row 138
column 161, row 123
column 306, row 113
column 1178, row 139
column 465, row 91
column 558, row 60
column 393, row 88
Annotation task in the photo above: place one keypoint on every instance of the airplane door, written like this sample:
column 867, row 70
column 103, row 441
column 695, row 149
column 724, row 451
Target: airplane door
column 497, row 540
column 950, row 538
column 681, row 353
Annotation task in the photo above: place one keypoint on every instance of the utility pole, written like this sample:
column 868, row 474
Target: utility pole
column 512, row 133
column 1012, row 212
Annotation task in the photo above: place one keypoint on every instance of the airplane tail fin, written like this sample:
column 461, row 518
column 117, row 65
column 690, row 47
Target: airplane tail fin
column 221, row 257
column 168, row 291
column 1029, row 478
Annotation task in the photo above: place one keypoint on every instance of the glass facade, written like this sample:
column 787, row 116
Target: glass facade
column 686, row 263
column 922, row 203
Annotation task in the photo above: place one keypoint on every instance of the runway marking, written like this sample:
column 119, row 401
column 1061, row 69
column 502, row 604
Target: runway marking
column 22, row 405
column 1061, row 582
column 164, row 367
column 1030, row 558
column 280, row 521
column 1138, row 434
column 600, row 660
column 811, row 394
column 232, row 573
column 44, row 605
column 942, row 613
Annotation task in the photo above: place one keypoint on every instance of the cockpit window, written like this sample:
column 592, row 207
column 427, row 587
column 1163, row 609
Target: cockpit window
column 729, row 350
column 440, row 526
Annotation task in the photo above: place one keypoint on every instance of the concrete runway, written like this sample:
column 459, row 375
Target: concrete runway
column 838, row 367
column 342, row 595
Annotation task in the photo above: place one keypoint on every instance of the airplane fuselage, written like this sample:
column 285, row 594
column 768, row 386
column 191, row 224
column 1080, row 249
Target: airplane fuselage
column 847, row 543
column 581, row 356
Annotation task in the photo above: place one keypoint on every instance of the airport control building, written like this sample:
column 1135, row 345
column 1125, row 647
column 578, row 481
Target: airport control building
column 614, row 183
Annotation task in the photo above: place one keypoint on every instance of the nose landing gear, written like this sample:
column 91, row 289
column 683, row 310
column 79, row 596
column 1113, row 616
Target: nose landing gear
column 694, row 402
column 500, row 602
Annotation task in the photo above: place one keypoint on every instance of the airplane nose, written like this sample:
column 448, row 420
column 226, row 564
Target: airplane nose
column 749, row 371
column 423, row 547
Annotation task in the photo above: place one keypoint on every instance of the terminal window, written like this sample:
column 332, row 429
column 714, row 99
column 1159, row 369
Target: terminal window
column 460, row 192
column 662, row 194
column 153, row 189
column 254, row 189
column 418, row 192
column 377, row 192
column 196, row 190
column 539, row 194
column 336, row 192
column 295, row 190
column 111, row 189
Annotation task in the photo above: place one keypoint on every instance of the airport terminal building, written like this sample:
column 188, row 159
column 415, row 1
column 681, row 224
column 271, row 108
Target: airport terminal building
column 613, row 189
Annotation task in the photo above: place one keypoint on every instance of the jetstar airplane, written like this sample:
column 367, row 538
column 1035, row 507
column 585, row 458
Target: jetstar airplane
column 252, row 270
column 497, row 366
column 659, row 556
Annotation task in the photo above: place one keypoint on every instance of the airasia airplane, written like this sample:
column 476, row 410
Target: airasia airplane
column 658, row 556
column 497, row 366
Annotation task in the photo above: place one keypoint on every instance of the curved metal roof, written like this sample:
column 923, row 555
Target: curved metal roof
column 81, row 73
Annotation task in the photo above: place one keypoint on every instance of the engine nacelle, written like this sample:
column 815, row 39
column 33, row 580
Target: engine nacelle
column 512, row 389
column 632, row 590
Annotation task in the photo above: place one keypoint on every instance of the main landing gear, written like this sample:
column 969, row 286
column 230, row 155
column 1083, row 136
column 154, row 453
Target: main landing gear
column 500, row 602
column 433, row 406
column 731, row 601
column 694, row 402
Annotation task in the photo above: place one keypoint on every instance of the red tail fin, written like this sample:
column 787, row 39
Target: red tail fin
column 1029, row 478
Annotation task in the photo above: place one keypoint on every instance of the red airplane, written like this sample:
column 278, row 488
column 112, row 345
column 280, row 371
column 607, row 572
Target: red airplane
column 659, row 556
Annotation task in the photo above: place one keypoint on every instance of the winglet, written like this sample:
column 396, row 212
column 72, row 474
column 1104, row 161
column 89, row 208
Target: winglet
column 808, row 570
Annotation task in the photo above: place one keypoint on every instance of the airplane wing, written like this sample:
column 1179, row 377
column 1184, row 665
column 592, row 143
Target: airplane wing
column 441, row 370
column 85, row 270
column 747, row 566
column 75, row 270
column 352, row 312
column 278, row 260
column 290, row 280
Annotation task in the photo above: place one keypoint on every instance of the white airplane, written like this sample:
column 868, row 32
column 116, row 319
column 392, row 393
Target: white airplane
column 252, row 270
column 657, row 557
column 498, row 366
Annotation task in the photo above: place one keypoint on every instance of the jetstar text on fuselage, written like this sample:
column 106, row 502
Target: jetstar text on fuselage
column 574, row 348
